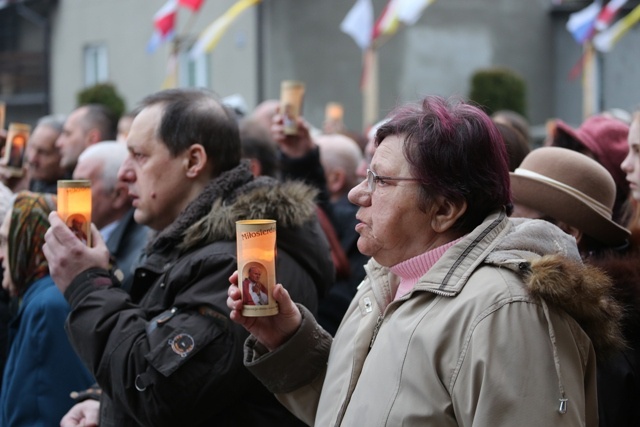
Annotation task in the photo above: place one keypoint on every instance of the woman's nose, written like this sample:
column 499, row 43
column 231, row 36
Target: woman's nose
column 360, row 194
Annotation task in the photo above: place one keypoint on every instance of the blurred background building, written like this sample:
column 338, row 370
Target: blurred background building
column 50, row 50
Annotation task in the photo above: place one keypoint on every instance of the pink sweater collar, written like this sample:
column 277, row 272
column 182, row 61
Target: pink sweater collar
column 411, row 270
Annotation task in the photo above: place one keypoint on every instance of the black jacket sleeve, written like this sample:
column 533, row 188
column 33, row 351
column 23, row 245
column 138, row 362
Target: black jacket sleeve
column 173, row 359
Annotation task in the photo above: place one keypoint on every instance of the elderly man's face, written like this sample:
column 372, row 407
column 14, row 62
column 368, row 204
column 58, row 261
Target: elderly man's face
column 101, row 194
column 254, row 275
column 43, row 155
column 392, row 228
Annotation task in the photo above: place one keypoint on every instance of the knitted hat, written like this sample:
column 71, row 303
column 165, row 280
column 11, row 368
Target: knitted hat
column 606, row 138
column 572, row 188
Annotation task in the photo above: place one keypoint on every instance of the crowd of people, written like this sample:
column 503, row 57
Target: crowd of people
column 436, row 269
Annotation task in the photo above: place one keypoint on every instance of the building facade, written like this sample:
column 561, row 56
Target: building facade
column 83, row 42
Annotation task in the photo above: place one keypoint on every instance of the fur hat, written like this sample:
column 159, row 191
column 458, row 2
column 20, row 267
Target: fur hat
column 572, row 188
column 606, row 138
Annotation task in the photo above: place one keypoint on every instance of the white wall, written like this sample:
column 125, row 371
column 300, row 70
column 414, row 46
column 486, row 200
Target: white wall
column 126, row 26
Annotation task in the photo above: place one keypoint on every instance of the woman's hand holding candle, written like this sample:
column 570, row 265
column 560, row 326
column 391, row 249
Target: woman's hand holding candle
column 271, row 331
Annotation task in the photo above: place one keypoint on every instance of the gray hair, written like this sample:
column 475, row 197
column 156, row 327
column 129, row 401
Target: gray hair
column 340, row 151
column 54, row 121
column 112, row 154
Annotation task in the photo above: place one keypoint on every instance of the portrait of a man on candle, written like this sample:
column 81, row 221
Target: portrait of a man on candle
column 254, row 292
column 78, row 224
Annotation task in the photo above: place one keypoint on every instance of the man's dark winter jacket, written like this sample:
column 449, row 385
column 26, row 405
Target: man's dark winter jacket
column 167, row 353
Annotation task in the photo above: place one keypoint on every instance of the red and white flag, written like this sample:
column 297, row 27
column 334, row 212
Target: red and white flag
column 194, row 5
column 165, row 19
column 164, row 25
column 608, row 13
column 387, row 23
column 605, row 40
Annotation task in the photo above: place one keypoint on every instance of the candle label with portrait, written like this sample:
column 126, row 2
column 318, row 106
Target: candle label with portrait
column 15, row 148
column 256, row 241
column 74, row 207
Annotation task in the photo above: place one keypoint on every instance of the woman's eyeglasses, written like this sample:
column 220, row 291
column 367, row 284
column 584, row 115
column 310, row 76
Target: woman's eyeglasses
column 373, row 179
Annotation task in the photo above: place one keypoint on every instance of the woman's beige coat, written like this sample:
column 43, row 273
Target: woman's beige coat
column 488, row 337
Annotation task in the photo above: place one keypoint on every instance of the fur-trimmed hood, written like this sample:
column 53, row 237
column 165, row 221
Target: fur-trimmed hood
column 551, row 267
column 290, row 203
column 237, row 195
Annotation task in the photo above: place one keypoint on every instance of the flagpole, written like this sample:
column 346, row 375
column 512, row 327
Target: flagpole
column 600, row 94
column 173, row 62
column 590, row 86
column 370, row 88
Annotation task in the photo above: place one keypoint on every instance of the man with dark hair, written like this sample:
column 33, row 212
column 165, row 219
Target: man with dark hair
column 85, row 126
column 166, row 353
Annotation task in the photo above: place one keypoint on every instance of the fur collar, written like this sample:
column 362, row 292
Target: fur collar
column 552, row 270
column 233, row 196
column 584, row 292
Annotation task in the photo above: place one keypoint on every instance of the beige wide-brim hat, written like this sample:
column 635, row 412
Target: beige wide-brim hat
column 570, row 187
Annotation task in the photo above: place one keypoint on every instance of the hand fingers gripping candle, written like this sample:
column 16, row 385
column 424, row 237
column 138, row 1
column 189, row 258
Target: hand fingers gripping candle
column 256, row 241
column 74, row 207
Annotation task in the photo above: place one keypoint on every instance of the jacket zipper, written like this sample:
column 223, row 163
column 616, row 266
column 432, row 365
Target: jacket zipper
column 376, row 329
column 381, row 315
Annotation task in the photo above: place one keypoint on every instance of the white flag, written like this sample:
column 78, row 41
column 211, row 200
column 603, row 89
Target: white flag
column 580, row 23
column 409, row 11
column 359, row 23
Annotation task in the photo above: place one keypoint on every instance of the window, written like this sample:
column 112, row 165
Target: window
column 193, row 73
column 96, row 64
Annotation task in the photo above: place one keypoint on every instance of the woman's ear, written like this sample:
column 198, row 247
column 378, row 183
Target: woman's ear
column 195, row 160
column 446, row 213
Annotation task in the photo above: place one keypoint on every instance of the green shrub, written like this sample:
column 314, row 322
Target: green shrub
column 496, row 89
column 104, row 94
